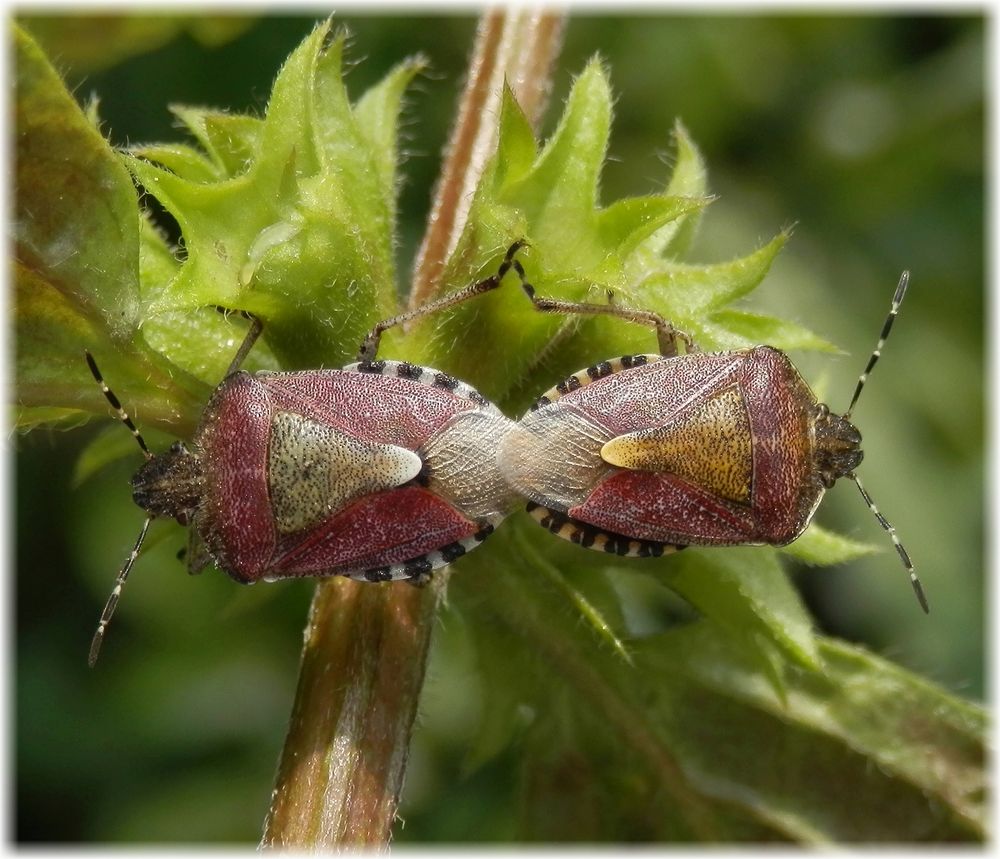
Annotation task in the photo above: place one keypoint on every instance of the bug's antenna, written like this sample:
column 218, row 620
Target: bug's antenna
column 897, row 299
column 116, row 405
column 904, row 556
column 116, row 592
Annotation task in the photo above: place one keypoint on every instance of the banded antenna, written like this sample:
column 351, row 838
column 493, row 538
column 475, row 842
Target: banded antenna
column 116, row 591
column 897, row 300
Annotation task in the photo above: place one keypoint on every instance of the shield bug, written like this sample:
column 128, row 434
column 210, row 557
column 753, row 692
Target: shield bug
column 382, row 470
column 645, row 454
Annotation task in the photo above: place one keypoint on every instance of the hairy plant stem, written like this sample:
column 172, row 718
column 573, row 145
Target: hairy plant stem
column 520, row 47
column 366, row 646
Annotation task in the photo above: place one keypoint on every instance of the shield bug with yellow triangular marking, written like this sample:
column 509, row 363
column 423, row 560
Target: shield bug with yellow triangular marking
column 645, row 454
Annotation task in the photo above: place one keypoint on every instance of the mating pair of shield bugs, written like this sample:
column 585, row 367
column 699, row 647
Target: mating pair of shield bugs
column 385, row 470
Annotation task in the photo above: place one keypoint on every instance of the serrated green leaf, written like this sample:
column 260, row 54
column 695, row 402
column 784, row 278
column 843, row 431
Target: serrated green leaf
column 747, row 593
column 377, row 116
column 230, row 140
column 626, row 224
column 181, row 159
column 821, row 547
column 740, row 329
column 559, row 194
column 202, row 340
column 298, row 228
column 693, row 291
column 216, row 253
column 688, row 179
column 516, row 147
column 64, row 167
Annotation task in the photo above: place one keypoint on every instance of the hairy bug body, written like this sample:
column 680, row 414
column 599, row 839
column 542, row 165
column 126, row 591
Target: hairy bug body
column 380, row 471
column 646, row 454
column 701, row 449
column 696, row 449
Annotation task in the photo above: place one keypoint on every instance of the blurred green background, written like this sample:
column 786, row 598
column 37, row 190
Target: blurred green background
column 867, row 131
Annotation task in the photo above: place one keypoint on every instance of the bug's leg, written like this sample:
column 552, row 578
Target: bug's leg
column 196, row 553
column 419, row 580
column 369, row 346
column 666, row 335
column 256, row 327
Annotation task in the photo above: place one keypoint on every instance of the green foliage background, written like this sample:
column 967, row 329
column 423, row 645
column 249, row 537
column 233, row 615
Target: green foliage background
column 866, row 131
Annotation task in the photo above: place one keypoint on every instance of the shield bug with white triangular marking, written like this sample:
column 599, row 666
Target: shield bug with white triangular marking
column 380, row 471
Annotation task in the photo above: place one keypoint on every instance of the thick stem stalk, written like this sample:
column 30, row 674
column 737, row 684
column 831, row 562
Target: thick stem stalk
column 362, row 670
column 366, row 646
column 522, row 48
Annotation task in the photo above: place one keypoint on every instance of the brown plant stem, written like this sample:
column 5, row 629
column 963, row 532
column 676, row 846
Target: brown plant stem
column 362, row 669
column 522, row 48
column 366, row 646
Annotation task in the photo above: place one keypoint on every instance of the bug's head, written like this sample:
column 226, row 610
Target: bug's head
column 838, row 446
column 169, row 484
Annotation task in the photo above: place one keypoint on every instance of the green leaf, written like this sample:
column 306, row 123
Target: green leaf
column 559, row 194
column 297, row 225
column 625, row 225
column 694, row 290
column 747, row 593
column 740, row 329
column 821, row 547
column 64, row 167
column 229, row 140
column 179, row 158
column 688, row 179
column 377, row 114
column 516, row 147
column 698, row 742
column 76, row 270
